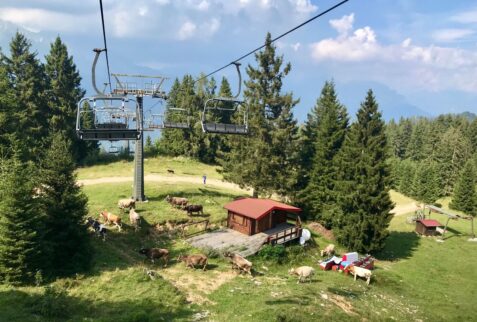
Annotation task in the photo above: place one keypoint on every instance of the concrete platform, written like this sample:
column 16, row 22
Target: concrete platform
column 230, row 240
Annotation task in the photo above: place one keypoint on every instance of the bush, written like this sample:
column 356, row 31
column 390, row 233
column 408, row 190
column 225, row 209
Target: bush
column 273, row 253
column 211, row 252
column 53, row 303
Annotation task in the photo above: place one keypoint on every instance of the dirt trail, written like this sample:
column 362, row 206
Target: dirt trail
column 404, row 209
column 165, row 179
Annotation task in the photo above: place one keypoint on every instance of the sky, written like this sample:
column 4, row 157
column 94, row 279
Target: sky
column 419, row 57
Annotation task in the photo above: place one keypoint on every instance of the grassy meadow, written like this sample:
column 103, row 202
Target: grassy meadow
column 416, row 278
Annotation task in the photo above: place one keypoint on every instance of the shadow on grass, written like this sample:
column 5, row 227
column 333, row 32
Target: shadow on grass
column 202, row 192
column 399, row 245
column 56, row 305
column 344, row 293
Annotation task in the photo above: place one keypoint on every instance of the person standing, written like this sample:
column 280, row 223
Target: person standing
column 204, row 178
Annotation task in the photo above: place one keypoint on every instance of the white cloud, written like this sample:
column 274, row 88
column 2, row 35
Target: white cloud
column 163, row 2
column 430, row 67
column 296, row 46
column 203, row 5
column 448, row 35
column 465, row 17
column 304, row 6
column 187, row 30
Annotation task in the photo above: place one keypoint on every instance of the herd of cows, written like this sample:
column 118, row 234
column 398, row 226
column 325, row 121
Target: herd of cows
column 198, row 260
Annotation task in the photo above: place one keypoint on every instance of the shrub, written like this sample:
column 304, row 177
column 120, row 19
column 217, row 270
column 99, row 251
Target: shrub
column 273, row 253
column 53, row 303
column 211, row 252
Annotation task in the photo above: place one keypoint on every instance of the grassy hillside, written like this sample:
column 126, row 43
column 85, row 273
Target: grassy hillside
column 415, row 279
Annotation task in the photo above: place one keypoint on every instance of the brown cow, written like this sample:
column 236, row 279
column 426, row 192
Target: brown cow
column 153, row 253
column 239, row 262
column 193, row 260
column 177, row 201
column 110, row 218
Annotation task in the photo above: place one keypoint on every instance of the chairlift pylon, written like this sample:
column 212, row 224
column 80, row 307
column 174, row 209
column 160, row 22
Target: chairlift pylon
column 226, row 106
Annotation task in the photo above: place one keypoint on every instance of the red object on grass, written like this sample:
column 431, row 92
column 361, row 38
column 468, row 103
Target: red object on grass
column 257, row 208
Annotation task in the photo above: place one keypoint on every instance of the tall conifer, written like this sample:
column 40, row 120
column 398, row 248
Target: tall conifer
column 465, row 195
column 364, row 187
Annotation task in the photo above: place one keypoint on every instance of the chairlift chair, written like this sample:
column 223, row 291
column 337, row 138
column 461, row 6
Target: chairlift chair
column 113, row 149
column 114, row 119
column 154, row 121
column 176, row 118
column 219, row 104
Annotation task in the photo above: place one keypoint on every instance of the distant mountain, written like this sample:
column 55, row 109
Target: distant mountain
column 392, row 104
column 469, row 115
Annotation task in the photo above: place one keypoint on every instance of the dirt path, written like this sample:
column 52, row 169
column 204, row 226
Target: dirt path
column 165, row 179
column 404, row 209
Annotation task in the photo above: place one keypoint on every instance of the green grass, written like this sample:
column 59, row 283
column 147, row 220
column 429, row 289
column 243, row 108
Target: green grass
column 400, row 199
column 182, row 166
column 416, row 278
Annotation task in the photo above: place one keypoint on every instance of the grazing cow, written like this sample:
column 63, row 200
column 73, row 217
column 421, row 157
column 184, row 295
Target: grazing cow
column 98, row 228
column 192, row 209
column 177, row 201
column 240, row 263
column 303, row 273
column 328, row 251
column 170, row 171
column 126, row 203
column 134, row 219
column 110, row 218
column 193, row 260
column 155, row 253
column 359, row 271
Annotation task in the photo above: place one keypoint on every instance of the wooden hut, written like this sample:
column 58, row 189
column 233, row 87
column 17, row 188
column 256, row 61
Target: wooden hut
column 251, row 216
column 427, row 227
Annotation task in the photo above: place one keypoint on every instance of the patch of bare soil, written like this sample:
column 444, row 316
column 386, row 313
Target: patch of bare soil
column 195, row 283
column 321, row 230
column 342, row 303
column 404, row 209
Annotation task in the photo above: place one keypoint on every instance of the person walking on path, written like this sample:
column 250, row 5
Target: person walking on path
column 204, row 178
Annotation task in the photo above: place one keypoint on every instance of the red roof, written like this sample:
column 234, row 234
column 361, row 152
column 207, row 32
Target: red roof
column 257, row 208
column 430, row 222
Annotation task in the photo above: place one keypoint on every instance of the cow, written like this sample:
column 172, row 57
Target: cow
column 134, row 219
column 110, row 218
column 177, row 201
column 98, row 228
column 359, row 271
column 303, row 273
column 240, row 263
column 126, row 203
column 155, row 253
column 193, row 260
column 191, row 209
column 170, row 171
column 328, row 251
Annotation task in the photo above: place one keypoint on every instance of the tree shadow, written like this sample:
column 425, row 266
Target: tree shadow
column 399, row 245
column 56, row 305
column 344, row 293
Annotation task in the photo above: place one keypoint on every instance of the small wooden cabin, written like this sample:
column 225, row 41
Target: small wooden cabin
column 251, row 216
column 427, row 227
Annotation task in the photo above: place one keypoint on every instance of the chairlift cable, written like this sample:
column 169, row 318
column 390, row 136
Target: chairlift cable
column 105, row 46
column 274, row 39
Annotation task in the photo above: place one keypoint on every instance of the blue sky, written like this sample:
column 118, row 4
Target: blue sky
column 420, row 57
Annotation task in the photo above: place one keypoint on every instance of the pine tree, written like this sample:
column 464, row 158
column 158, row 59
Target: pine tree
column 27, row 83
column 20, row 223
column 66, row 239
column 426, row 184
column 326, row 129
column 265, row 159
column 465, row 194
column 364, row 187
column 65, row 91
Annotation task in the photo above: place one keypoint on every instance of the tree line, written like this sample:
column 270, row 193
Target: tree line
column 42, row 234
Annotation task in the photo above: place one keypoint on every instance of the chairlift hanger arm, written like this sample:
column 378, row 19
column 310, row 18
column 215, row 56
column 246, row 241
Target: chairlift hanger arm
column 93, row 70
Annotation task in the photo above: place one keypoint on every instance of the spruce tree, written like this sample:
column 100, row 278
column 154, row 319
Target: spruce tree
column 465, row 195
column 364, row 186
column 27, row 83
column 426, row 184
column 326, row 129
column 66, row 239
column 265, row 160
column 64, row 93
column 20, row 222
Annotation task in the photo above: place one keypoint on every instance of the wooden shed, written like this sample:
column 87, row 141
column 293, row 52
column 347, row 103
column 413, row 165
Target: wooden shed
column 251, row 216
column 427, row 227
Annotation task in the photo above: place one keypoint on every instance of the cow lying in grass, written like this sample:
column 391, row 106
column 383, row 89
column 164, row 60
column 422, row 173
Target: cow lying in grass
column 303, row 273
column 134, row 219
column 177, row 201
column 109, row 218
column 240, row 263
column 98, row 228
column 126, row 203
column 359, row 271
column 191, row 209
column 194, row 260
column 156, row 253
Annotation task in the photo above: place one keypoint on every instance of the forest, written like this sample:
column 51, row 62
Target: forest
column 338, row 168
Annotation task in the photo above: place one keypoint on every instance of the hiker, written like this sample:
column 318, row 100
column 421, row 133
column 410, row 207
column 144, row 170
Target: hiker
column 204, row 178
